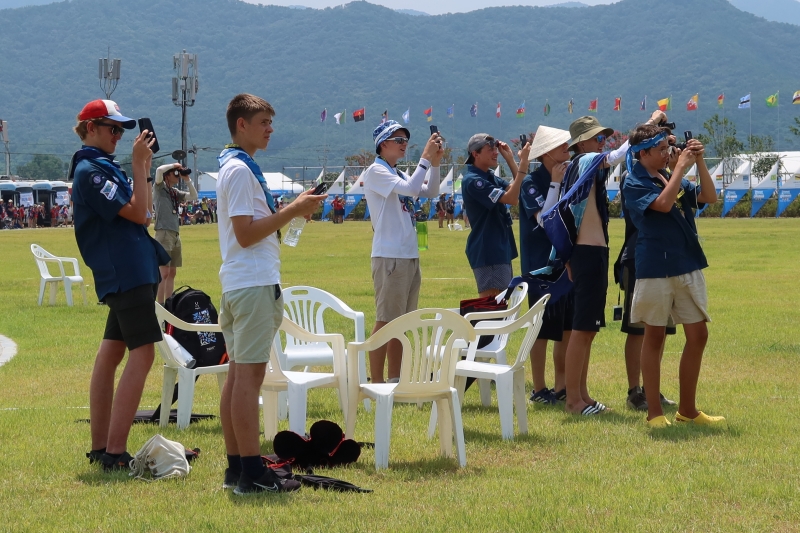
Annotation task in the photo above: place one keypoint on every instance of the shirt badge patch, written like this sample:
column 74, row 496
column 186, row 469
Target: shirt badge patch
column 479, row 184
column 532, row 191
column 97, row 178
column 109, row 190
column 495, row 195
column 540, row 201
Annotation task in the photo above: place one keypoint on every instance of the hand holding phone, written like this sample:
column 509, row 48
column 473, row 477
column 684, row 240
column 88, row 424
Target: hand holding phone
column 322, row 188
column 434, row 129
column 146, row 124
column 523, row 140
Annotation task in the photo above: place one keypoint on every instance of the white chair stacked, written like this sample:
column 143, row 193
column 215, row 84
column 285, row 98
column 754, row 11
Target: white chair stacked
column 169, row 349
column 43, row 257
column 424, row 376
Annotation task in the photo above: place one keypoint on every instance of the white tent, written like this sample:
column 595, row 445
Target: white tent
column 277, row 182
column 446, row 187
column 612, row 185
column 337, row 187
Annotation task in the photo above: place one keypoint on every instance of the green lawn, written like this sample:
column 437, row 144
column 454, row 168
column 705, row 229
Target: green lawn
column 605, row 474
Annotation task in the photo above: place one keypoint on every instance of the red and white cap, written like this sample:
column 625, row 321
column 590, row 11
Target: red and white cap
column 106, row 109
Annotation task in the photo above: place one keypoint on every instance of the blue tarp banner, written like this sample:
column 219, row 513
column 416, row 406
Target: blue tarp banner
column 459, row 199
column 350, row 202
column 612, row 194
column 327, row 207
column 760, row 197
column 731, row 198
column 786, row 197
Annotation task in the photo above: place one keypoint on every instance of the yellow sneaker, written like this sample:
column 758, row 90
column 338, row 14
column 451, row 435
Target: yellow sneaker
column 658, row 422
column 701, row 419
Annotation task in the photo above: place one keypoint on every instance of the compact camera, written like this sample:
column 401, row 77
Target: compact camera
column 617, row 313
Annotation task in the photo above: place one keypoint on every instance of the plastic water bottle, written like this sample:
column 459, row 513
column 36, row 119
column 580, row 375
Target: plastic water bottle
column 295, row 229
column 422, row 232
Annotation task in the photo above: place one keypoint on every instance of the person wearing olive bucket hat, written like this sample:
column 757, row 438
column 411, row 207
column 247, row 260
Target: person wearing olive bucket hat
column 540, row 191
column 588, row 263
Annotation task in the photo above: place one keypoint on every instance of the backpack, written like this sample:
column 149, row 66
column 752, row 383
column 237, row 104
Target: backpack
column 195, row 307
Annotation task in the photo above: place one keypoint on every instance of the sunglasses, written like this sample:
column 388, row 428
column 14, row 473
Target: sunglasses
column 114, row 128
column 600, row 138
column 399, row 140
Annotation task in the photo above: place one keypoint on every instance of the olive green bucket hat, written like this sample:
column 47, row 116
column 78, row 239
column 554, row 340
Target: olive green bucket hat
column 585, row 128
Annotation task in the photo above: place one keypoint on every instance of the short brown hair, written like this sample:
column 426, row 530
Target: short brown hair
column 642, row 132
column 81, row 129
column 245, row 106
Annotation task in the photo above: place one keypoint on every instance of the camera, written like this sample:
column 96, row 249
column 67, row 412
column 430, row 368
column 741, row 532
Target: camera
column 668, row 125
column 687, row 136
column 185, row 171
column 617, row 313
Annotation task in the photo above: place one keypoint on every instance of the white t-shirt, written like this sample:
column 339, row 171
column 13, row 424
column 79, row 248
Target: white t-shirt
column 258, row 265
column 395, row 235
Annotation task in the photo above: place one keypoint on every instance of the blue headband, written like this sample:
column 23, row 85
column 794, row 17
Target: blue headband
column 644, row 145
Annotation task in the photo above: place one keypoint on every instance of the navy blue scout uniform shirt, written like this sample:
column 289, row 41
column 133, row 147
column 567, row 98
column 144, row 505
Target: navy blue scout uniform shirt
column 534, row 246
column 491, row 241
column 667, row 244
column 120, row 253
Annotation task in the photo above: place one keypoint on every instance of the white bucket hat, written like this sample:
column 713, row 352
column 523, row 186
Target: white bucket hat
column 547, row 139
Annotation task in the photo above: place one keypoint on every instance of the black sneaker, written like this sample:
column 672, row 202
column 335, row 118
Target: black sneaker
column 545, row 396
column 561, row 395
column 666, row 401
column 121, row 463
column 268, row 482
column 231, row 479
column 94, row 456
column 636, row 399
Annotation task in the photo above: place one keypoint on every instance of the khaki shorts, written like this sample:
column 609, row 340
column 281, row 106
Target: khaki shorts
column 683, row 297
column 249, row 319
column 171, row 241
column 396, row 283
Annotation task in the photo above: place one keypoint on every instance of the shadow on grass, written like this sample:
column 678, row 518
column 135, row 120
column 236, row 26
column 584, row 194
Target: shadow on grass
column 686, row 432
column 262, row 499
column 473, row 436
column 99, row 477
column 608, row 417
column 420, row 469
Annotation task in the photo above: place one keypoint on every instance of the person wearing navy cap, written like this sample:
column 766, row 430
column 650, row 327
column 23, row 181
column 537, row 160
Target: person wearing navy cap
column 110, row 227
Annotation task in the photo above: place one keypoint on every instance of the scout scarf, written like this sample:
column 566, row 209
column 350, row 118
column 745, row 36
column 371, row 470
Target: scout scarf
column 234, row 150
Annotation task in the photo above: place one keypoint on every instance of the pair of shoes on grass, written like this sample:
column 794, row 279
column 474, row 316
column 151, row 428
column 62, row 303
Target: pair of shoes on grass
column 268, row 482
column 701, row 419
column 110, row 463
column 544, row 396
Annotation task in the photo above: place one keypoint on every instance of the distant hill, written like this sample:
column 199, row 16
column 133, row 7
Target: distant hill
column 413, row 12
column 774, row 10
column 363, row 55
column 568, row 4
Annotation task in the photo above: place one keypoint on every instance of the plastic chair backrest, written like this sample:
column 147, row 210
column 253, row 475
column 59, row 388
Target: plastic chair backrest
column 40, row 254
column 274, row 370
column 424, row 335
column 532, row 320
column 165, row 347
column 305, row 306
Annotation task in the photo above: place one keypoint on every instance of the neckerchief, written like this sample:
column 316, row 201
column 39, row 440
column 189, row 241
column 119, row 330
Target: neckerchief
column 407, row 201
column 234, row 150
column 104, row 160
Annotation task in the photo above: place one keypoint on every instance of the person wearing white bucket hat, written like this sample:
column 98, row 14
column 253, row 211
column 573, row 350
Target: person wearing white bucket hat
column 540, row 191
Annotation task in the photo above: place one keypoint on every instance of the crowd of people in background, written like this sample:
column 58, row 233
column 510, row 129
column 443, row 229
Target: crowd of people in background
column 33, row 216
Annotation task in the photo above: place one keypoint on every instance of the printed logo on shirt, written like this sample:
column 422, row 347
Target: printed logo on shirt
column 496, row 194
column 109, row 190
column 540, row 201
column 532, row 191
column 479, row 184
column 97, row 178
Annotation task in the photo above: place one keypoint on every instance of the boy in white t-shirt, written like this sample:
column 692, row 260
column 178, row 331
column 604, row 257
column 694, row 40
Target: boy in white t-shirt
column 251, row 310
column 395, row 259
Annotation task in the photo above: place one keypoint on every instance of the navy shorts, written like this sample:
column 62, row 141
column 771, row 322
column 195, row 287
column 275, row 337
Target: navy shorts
column 589, row 266
column 132, row 317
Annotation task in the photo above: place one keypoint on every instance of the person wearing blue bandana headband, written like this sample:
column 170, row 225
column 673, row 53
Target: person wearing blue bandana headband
column 251, row 310
column 669, row 263
column 396, row 274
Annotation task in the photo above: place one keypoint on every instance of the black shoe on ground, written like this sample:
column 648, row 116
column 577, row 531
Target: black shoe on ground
column 268, row 482
column 94, row 456
column 231, row 479
column 119, row 464
column 636, row 399
column 666, row 401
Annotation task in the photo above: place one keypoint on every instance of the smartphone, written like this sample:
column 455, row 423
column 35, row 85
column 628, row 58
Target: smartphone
column 434, row 129
column 688, row 136
column 322, row 188
column 523, row 140
column 146, row 124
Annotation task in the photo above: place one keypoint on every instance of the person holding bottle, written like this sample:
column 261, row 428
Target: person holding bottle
column 396, row 273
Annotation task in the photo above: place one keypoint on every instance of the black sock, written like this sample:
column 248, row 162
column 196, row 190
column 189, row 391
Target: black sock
column 253, row 466
column 114, row 456
column 99, row 451
column 235, row 463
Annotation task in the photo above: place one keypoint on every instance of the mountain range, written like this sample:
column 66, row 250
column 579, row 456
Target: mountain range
column 363, row 55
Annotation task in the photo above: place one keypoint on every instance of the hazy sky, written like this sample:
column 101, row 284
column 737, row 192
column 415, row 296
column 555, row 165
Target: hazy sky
column 432, row 8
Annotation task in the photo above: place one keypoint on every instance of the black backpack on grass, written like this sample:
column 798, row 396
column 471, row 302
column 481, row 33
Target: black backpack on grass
column 195, row 307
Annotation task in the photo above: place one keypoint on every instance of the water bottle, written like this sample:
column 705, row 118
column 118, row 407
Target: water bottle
column 295, row 229
column 422, row 231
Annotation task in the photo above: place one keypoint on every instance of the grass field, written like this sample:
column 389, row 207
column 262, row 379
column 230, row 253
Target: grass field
column 605, row 474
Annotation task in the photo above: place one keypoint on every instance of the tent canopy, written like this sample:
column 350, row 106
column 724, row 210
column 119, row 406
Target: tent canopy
column 276, row 181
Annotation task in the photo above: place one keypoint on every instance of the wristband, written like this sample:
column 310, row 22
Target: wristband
column 423, row 166
column 555, row 185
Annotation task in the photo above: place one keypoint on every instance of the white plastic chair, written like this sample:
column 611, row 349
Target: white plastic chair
column 510, row 379
column 297, row 383
column 169, row 349
column 43, row 257
column 455, row 226
column 423, row 377
column 306, row 306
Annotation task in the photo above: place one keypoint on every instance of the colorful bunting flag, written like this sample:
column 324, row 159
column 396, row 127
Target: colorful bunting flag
column 473, row 111
column 358, row 115
column 772, row 100
column 691, row 105
column 721, row 100
column 744, row 102
column 385, row 116
column 569, row 106
column 407, row 116
column 323, row 115
column 521, row 110
column 339, row 117
column 497, row 113
column 618, row 103
column 429, row 113
column 450, row 111
column 796, row 98
column 593, row 105
column 547, row 108
column 665, row 104
column 643, row 106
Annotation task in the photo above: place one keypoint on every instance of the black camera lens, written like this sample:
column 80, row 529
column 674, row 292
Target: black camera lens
column 185, row 171
column 668, row 125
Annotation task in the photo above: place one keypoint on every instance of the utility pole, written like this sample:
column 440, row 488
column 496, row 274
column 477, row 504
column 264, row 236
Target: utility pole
column 184, row 89
column 4, row 137
column 109, row 74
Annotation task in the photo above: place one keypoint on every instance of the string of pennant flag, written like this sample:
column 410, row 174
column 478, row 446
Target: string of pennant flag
column 664, row 104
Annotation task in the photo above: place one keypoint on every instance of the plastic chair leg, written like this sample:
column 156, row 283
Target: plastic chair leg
column 505, row 403
column 170, row 375
column 445, row 427
column 42, row 286
column 270, row 410
column 520, row 403
column 383, row 430
column 221, row 378
column 83, row 293
column 53, row 289
column 283, row 405
column 485, row 387
column 185, row 397
column 298, row 400
column 342, row 394
column 362, row 377
column 432, row 421
column 350, row 418
column 458, row 429
column 68, row 291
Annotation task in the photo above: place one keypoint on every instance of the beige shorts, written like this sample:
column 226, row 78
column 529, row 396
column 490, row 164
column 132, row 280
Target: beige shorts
column 683, row 298
column 249, row 319
column 171, row 241
column 396, row 283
